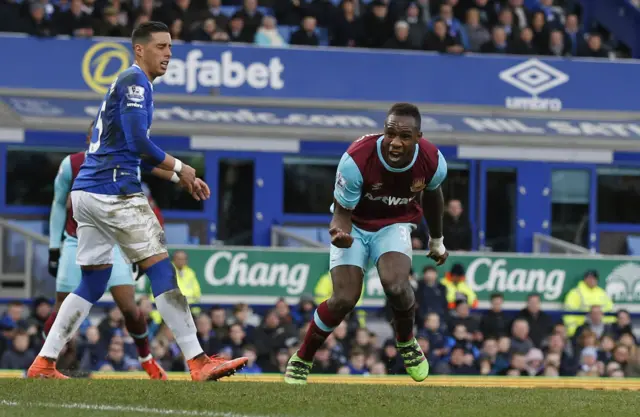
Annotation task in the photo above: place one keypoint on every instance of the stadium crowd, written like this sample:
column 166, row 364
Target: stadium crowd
column 456, row 338
column 551, row 28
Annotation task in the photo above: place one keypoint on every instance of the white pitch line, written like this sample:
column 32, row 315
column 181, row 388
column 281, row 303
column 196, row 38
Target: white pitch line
column 122, row 408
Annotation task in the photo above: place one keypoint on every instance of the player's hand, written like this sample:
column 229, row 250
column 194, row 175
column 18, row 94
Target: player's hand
column 187, row 177
column 340, row 239
column 437, row 251
column 201, row 190
column 54, row 258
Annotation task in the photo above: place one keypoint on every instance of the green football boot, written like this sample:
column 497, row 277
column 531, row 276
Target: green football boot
column 415, row 362
column 297, row 370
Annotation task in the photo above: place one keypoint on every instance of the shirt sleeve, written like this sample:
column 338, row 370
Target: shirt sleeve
column 58, row 217
column 135, row 100
column 440, row 175
column 348, row 186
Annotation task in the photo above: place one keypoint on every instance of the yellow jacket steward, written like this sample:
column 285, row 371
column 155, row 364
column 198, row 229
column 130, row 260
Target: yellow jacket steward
column 324, row 289
column 580, row 300
column 189, row 286
column 460, row 287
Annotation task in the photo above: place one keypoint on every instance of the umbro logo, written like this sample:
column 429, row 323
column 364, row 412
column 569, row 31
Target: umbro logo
column 534, row 77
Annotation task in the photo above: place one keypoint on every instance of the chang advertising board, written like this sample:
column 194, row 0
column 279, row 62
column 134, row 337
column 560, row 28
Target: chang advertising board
column 102, row 63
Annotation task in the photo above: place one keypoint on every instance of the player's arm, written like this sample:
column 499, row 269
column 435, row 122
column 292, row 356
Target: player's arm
column 134, row 115
column 58, row 216
column 346, row 195
column 433, row 207
column 199, row 191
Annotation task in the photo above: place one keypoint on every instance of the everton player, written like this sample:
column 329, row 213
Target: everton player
column 62, row 263
column 384, row 184
column 111, row 209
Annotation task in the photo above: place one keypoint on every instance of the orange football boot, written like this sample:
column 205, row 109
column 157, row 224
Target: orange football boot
column 204, row 368
column 153, row 369
column 44, row 368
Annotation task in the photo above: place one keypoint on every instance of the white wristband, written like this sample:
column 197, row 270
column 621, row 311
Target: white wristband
column 436, row 241
column 175, row 178
column 177, row 167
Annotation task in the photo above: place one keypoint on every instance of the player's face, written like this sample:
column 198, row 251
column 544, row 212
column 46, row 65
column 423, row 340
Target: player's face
column 157, row 53
column 401, row 136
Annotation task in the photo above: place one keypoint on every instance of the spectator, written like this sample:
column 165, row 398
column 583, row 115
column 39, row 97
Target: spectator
column 497, row 362
column 306, row 35
column 206, row 336
column 517, row 365
column 458, row 364
column 251, row 16
column 594, row 47
column 505, row 19
column 478, row 35
column 284, row 312
column 580, row 299
column 520, row 14
column 213, row 11
column 324, row 11
column 289, row 12
column 566, row 364
column 520, row 341
column 93, row 351
column 347, row 29
column 494, row 323
column 621, row 326
column 593, row 323
column 36, row 24
column 524, row 45
column 305, row 311
column 357, row 365
column 557, row 47
column 417, row 27
column 392, row 359
column 498, row 43
column 177, row 30
column 243, row 315
column 463, row 316
column 434, row 334
column 237, row 31
column 457, row 289
column 378, row 26
column 109, row 26
column 461, row 337
column 187, row 279
column 488, row 16
column 456, row 227
column 209, row 32
column 431, row 296
column 534, row 362
column 271, row 336
column 554, row 16
column 605, row 350
column 323, row 363
column 74, row 21
column 19, row 356
column 178, row 10
column 39, row 315
column 116, row 360
column 268, row 35
column 621, row 357
column 252, row 367
column 400, row 39
column 540, row 33
column 540, row 323
column 108, row 326
column 454, row 26
column 145, row 7
column 573, row 38
column 236, row 340
column 439, row 40
column 219, row 322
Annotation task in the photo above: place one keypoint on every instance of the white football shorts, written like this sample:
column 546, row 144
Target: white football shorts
column 107, row 220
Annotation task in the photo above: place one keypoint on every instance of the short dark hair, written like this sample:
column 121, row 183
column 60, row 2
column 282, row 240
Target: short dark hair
column 406, row 109
column 497, row 295
column 429, row 268
column 533, row 295
column 142, row 33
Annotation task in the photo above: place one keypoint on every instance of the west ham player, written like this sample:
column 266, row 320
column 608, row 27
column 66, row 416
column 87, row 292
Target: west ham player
column 380, row 181
column 62, row 264
column 110, row 208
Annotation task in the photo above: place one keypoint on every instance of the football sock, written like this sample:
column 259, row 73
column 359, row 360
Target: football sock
column 323, row 323
column 174, row 308
column 403, row 323
column 93, row 284
column 137, row 328
column 72, row 313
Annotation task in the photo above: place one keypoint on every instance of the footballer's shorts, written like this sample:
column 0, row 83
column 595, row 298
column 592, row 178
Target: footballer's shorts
column 69, row 273
column 370, row 246
column 107, row 220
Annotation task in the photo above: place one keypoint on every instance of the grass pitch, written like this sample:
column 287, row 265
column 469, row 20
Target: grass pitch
column 111, row 397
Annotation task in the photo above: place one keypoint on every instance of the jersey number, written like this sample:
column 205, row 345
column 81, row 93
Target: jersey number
column 94, row 146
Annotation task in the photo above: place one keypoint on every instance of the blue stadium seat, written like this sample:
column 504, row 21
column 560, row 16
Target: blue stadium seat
column 318, row 234
column 633, row 245
column 229, row 10
column 267, row 11
column 323, row 34
column 286, row 31
column 177, row 233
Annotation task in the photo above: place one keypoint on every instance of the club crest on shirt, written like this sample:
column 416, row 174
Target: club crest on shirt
column 376, row 186
column 418, row 185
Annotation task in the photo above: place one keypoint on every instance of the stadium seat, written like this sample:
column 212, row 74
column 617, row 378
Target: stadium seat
column 633, row 245
column 177, row 233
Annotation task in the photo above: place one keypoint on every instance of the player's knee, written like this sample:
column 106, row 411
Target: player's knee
column 344, row 303
column 399, row 292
